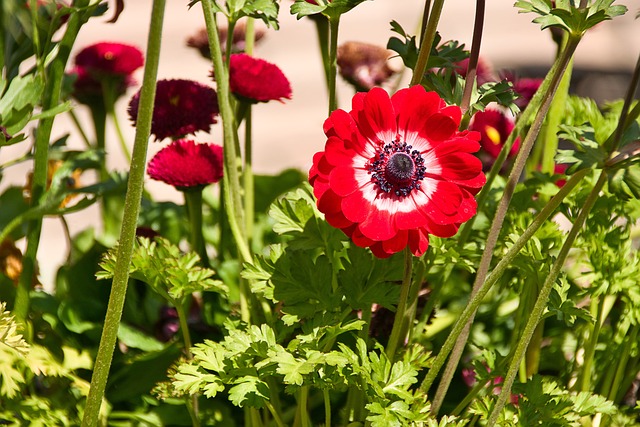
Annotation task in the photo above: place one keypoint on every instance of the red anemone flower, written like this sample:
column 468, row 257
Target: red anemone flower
column 186, row 164
column 110, row 59
column 495, row 126
column 257, row 80
column 397, row 169
column 181, row 107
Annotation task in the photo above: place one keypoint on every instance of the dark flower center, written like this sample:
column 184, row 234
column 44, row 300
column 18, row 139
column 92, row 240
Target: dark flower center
column 397, row 169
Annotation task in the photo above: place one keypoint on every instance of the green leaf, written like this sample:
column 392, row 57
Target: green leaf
column 367, row 280
column 250, row 391
column 136, row 338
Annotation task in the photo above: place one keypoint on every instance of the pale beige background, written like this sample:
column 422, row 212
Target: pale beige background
column 288, row 134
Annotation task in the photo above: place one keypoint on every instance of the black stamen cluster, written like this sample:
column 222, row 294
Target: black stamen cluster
column 397, row 169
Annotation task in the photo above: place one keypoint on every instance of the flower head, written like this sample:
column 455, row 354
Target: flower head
column 495, row 126
column 200, row 40
column 526, row 88
column 484, row 70
column 181, row 107
column 395, row 170
column 89, row 91
column 256, row 80
column 186, row 164
column 110, row 59
column 364, row 65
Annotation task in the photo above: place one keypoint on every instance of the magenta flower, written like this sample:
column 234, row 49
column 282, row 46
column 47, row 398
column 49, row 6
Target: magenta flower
column 182, row 107
column 495, row 126
column 110, row 59
column 256, row 80
column 186, row 164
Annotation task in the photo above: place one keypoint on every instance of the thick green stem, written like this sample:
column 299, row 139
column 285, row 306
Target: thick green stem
column 485, row 262
column 427, row 42
column 541, row 302
column 327, row 406
column 130, row 219
column 334, row 24
column 193, row 201
column 51, row 99
column 498, row 270
column 549, row 133
column 231, row 186
column 397, row 338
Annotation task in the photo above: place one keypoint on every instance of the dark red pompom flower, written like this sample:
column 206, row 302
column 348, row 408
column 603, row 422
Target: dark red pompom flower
column 181, row 107
column 397, row 169
column 257, row 80
column 495, row 126
column 108, row 59
column 186, row 164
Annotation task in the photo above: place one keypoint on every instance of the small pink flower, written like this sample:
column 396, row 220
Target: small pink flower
column 257, row 80
column 185, row 164
column 181, row 107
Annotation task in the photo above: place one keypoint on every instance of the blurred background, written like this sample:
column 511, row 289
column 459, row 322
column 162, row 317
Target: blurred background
column 286, row 135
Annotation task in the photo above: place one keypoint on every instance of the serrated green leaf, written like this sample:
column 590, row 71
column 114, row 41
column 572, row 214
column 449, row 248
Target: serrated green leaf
column 250, row 391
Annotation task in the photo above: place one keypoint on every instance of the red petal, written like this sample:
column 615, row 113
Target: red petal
column 397, row 243
column 377, row 120
column 343, row 181
column 414, row 107
column 339, row 124
column 439, row 127
column 378, row 250
column 356, row 207
column 378, row 225
column 329, row 202
column 418, row 242
column 460, row 166
column 444, row 202
column 336, row 153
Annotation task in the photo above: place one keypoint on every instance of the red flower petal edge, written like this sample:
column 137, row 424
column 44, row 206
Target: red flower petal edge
column 257, row 80
column 185, row 164
column 108, row 58
column 396, row 169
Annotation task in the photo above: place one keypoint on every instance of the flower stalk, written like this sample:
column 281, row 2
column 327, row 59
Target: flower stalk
column 541, row 302
column 231, row 181
column 130, row 219
column 397, row 336
column 557, row 72
column 427, row 42
column 51, row 99
column 493, row 277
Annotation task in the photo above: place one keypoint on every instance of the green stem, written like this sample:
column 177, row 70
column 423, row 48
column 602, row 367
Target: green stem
column 397, row 338
column 427, row 42
column 470, row 78
column 334, row 24
column 276, row 416
column 78, row 125
column 322, row 29
column 496, row 273
column 616, row 392
column 302, row 407
column 247, row 175
column 597, row 305
column 51, row 98
column 249, row 36
column 549, row 131
column 193, row 201
column 192, row 404
column 130, row 219
column 121, row 139
column 494, row 232
column 541, row 302
column 327, row 406
column 231, row 186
